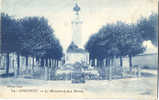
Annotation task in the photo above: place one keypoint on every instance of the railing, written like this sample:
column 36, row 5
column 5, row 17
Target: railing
column 47, row 72
column 32, row 70
column 117, row 72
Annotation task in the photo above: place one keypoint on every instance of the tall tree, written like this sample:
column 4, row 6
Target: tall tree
column 29, row 36
column 116, row 40
column 148, row 28
column 38, row 39
column 10, row 33
column 133, row 43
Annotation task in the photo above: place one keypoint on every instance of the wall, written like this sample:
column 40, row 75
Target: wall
column 143, row 60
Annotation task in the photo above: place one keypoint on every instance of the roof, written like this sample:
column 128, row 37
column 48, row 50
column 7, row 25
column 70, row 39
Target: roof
column 73, row 48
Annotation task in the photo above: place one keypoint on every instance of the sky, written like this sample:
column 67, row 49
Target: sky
column 94, row 14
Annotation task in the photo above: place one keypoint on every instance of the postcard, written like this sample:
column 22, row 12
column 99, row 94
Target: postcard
column 83, row 49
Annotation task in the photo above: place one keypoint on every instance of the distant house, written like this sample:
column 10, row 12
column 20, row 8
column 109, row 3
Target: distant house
column 75, row 54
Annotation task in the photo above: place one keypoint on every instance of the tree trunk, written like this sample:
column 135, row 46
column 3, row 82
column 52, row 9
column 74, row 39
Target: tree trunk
column 130, row 63
column 26, row 63
column 57, row 63
column 0, row 59
column 33, row 61
column 48, row 68
column 108, row 62
column 105, row 62
column 46, row 72
column 42, row 62
column 53, row 66
column 93, row 62
column 121, row 66
column 46, row 61
column 33, row 64
column 18, row 64
column 121, row 62
column 50, row 62
column 110, row 68
column 7, row 63
column 98, row 62
column 102, row 60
